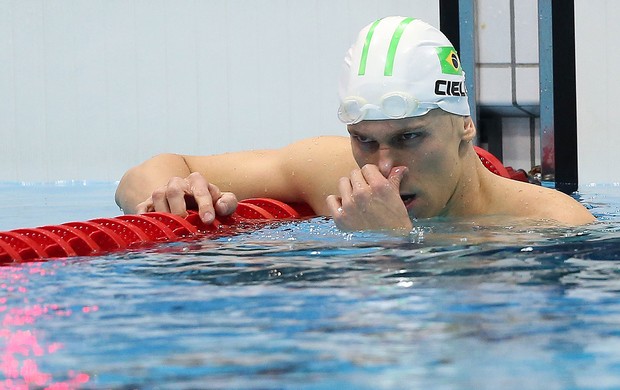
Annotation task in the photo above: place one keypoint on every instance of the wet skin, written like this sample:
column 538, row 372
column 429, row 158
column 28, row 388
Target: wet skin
column 428, row 150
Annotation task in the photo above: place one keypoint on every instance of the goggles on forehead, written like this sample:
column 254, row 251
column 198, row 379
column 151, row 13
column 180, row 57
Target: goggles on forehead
column 396, row 105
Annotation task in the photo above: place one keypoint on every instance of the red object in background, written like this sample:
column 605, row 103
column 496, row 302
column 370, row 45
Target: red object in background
column 493, row 164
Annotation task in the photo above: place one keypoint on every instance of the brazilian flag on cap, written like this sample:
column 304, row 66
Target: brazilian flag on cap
column 449, row 60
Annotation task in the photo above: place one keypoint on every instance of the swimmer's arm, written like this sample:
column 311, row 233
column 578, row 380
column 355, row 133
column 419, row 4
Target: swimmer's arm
column 138, row 183
column 246, row 174
column 306, row 171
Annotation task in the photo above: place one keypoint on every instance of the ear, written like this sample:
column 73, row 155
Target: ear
column 469, row 129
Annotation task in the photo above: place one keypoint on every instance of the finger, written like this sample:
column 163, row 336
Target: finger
column 345, row 189
column 145, row 206
column 160, row 203
column 334, row 204
column 226, row 204
column 358, row 181
column 175, row 196
column 379, row 183
column 199, row 190
column 372, row 175
column 396, row 176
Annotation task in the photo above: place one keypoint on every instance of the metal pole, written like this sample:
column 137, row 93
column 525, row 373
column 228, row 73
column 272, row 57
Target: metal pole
column 558, row 94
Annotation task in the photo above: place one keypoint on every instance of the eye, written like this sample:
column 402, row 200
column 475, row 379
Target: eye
column 407, row 139
column 409, row 136
column 362, row 139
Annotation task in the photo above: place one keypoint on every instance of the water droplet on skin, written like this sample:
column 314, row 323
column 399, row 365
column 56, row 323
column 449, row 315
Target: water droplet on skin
column 309, row 160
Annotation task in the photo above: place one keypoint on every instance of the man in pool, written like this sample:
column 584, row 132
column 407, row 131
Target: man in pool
column 409, row 153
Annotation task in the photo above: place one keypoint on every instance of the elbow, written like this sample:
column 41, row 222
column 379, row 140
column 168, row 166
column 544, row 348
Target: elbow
column 127, row 191
column 139, row 182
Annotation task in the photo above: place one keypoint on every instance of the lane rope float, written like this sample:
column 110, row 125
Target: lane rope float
column 105, row 235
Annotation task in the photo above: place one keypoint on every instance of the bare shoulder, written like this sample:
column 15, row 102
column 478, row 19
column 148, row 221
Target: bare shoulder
column 538, row 202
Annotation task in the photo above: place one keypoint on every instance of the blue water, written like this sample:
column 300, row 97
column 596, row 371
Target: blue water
column 301, row 305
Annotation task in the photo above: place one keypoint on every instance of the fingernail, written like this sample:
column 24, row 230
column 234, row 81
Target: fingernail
column 208, row 217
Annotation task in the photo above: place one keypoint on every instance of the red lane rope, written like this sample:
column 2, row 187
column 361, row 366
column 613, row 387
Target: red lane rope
column 104, row 235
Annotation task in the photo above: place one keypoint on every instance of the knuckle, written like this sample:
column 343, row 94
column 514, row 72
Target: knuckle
column 363, row 199
column 348, row 203
column 361, row 194
column 229, row 197
column 176, row 181
column 172, row 191
column 159, row 194
column 199, row 191
column 194, row 177
column 379, row 187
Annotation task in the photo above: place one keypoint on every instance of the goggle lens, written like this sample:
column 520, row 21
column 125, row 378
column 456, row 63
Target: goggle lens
column 350, row 111
column 394, row 106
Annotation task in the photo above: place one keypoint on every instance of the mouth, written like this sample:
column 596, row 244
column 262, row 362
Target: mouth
column 408, row 200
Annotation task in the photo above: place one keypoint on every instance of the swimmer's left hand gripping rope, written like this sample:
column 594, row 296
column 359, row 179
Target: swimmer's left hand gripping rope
column 104, row 235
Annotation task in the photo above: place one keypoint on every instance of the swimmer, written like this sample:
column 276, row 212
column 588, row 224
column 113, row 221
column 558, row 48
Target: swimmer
column 408, row 155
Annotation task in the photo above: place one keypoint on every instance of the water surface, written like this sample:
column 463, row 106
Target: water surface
column 303, row 305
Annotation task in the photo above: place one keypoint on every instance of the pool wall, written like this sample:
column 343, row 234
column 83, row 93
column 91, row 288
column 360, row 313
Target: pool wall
column 596, row 30
column 89, row 89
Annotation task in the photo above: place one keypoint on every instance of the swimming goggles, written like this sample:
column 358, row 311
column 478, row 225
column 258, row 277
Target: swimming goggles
column 396, row 105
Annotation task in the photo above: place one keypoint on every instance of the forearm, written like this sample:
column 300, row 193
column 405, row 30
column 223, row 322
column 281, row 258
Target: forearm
column 139, row 182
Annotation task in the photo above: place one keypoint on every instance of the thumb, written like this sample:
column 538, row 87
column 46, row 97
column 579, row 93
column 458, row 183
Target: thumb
column 226, row 204
column 396, row 176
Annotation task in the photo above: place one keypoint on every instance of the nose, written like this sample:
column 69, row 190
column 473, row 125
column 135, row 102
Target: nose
column 385, row 161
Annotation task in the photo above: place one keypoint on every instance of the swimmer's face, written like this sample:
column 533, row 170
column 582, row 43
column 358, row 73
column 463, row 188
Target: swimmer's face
column 431, row 146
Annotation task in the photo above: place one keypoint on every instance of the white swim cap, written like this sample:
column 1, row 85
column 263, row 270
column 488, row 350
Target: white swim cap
column 398, row 68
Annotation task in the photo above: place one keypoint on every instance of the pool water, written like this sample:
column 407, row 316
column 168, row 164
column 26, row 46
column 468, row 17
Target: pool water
column 301, row 305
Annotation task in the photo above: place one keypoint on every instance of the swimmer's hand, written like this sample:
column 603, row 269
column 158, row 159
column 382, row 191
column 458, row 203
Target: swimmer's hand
column 193, row 192
column 370, row 201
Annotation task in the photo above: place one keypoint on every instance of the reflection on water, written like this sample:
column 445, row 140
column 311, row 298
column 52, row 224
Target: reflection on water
column 302, row 305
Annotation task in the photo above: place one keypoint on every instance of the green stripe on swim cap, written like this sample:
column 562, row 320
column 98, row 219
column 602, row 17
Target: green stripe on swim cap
column 389, row 62
column 364, row 58
column 449, row 60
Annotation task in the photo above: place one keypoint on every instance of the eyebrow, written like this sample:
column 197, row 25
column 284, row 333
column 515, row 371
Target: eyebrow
column 414, row 127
